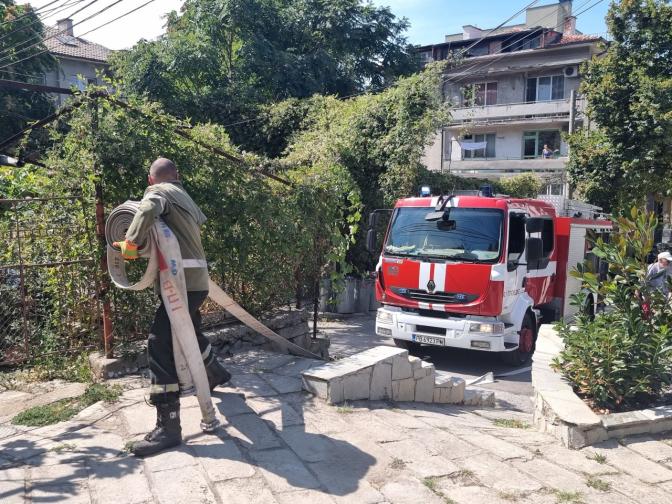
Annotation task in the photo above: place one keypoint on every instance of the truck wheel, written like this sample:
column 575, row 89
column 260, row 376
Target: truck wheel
column 411, row 346
column 527, row 337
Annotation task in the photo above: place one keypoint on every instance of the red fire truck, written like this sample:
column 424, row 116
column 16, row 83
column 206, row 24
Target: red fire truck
column 480, row 272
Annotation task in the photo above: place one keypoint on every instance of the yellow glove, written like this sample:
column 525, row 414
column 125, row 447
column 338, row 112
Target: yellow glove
column 129, row 250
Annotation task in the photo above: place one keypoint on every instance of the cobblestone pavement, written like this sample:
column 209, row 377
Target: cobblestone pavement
column 280, row 445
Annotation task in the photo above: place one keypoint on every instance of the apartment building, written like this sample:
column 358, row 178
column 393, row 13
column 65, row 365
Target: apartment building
column 513, row 97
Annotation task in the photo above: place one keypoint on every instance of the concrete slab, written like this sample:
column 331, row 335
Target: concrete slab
column 403, row 390
column 283, row 470
column 357, row 386
column 381, row 382
column 630, row 462
column 221, row 458
column 252, row 432
column 13, row 485
column 245, row 491
column 105, row 477
column 185, row 484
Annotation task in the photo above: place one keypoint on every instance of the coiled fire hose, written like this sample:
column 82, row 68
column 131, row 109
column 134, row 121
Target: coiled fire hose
column 163, row 254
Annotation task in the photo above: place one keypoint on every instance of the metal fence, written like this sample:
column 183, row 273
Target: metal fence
column 49, row 301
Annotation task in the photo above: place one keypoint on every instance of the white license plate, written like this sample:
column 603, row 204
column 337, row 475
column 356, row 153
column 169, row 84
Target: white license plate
column 429, row 340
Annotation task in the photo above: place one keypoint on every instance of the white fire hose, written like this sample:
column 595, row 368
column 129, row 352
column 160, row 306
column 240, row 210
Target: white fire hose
column 163, row 253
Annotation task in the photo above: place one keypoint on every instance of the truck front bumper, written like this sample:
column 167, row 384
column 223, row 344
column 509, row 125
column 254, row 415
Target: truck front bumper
column 450, row 331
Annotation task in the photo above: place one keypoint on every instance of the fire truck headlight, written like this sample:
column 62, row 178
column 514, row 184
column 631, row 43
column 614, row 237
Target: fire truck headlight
column 384, row 317
column 488, row 328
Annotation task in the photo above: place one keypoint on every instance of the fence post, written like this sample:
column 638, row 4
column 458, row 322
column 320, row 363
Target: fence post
column 22, row 282
column 108, row 337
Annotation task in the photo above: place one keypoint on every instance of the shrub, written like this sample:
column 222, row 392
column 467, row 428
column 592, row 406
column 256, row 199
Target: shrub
column 622, row 358
column 524, row 185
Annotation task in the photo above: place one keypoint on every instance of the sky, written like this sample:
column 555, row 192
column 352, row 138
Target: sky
column 429, row 20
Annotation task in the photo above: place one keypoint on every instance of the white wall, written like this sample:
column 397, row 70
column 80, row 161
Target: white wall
column 509, row 140
column 68, row 69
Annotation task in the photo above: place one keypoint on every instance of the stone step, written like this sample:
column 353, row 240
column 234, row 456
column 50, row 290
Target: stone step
column 389, row 373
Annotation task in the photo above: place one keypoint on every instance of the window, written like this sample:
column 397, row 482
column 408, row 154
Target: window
column 534, row 141
column 547, row 243
column 516, row 237
column 479, row 95
column 487, row 152
column 525, row 43
column 77, row 82
column 547, row 239
column 545, row 88
column 472, row 234
column 91, row 81
column 479, row 50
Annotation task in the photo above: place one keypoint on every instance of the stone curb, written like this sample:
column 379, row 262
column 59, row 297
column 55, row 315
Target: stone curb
column 389, row 373
column 560, row 412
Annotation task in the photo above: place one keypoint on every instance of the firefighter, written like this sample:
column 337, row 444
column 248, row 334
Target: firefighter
column 166, row 198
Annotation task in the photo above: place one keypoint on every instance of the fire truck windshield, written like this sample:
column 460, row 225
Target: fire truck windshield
column 475, row 236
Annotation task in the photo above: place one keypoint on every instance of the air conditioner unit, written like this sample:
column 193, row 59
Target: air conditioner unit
column 571, row 71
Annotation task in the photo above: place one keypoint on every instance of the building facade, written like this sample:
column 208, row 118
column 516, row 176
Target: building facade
column 80, row 62
column 513, row 96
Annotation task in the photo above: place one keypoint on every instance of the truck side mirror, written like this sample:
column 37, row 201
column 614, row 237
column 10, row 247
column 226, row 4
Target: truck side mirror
column 371, row 241
column 534, row 224
column 533, row 252
column 374, row 218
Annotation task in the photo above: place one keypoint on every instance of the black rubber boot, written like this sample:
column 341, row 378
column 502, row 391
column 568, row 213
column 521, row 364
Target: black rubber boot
column 166, row 434
column 217, row 374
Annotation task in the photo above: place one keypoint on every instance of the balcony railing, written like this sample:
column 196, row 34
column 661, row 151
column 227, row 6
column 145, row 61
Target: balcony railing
column 511, row 112
column 499, row 166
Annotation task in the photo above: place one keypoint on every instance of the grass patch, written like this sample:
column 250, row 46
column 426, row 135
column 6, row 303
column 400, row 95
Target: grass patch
column 63, row 447
column 510, row 423
column 563, row 496
column 397, row 463
column 597, row 457
column 598, row 484
column 65, row 409
column 510, row 496
column 432, row 484
column 346, row 409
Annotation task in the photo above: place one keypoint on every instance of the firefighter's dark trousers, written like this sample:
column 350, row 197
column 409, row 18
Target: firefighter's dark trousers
column 164, row 387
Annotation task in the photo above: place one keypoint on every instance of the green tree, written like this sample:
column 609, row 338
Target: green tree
column 220, row 59
column 524, row 185
column 379, row 138
column 629, row 94
column 20, row 29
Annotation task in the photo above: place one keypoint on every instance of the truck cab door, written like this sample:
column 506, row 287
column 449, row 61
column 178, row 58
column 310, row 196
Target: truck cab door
column 515, row 267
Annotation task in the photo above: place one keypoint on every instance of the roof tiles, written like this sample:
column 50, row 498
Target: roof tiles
column 74, row 47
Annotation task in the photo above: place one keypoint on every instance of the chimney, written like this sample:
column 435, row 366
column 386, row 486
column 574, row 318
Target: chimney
column 569, row 27
column 470, row 32
column 65, row 27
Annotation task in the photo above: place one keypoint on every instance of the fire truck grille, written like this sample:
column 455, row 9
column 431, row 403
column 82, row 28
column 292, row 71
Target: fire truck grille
column 435, row 297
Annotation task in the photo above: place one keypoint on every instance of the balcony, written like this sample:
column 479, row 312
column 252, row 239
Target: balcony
column 511, row 113
column 496, row 168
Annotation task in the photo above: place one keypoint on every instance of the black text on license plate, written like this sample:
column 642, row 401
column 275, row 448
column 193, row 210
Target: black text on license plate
column 429, row 340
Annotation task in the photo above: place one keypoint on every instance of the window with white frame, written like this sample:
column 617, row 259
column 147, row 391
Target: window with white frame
column 535, row 141
column 479, row 95
column 550, row 87
column 483, row 153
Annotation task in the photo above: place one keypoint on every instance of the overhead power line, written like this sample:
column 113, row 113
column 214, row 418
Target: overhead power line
column 40, row 40
column 30, row 11
column 40, row 20
column 85, row 33
column 476, row 66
